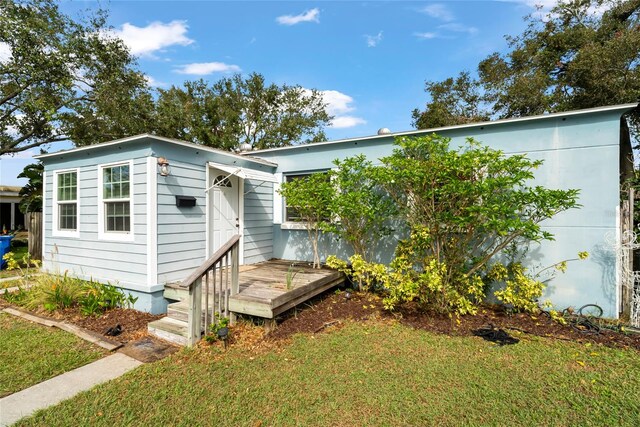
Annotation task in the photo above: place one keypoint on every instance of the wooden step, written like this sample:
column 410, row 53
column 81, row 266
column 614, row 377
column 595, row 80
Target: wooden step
column 175, row 292
column 169, row 329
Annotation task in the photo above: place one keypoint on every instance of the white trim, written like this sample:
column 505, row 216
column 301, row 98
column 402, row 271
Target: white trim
column 152, row 222
column 157, row 138
column 243, row 173
column 44, row 218
column 620, row 107
column 278, row 201
column 55, row 231
column 293, row 226
column 241, row 219
column 115, row 235
column 207, row 213
column 619, row 269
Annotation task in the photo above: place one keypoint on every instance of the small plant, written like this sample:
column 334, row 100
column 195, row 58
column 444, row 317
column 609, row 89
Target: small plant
column 97, row 297
column 12, row 264
column 367, row 275
column 219, row 323
column 291, row 274
column 55, row 292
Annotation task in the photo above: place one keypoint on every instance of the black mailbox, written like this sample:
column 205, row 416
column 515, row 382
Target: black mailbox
column 185, row 201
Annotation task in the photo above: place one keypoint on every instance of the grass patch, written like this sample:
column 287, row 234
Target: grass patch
column 32, row 353
column 371, row 374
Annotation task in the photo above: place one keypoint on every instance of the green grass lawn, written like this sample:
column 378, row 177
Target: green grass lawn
column 371, row 374
column 31, row 353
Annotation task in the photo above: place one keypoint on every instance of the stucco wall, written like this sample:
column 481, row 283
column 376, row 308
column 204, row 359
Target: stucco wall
column 579, row 151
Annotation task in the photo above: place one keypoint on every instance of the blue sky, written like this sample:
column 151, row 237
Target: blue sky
column 370, row 58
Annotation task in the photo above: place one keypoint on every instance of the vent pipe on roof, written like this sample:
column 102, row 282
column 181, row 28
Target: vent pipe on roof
column 384, row 131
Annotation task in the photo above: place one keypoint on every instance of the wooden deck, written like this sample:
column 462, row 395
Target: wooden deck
column 264, row 291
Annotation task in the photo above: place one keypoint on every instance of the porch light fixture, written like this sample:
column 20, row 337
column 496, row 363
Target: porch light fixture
column 163, row 166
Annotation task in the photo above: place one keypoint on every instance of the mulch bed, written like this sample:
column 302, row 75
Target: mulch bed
column 332, row 309
column 133, row 322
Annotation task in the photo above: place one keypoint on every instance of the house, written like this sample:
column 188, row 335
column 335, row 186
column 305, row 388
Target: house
column 145, row 211
column 10, row 216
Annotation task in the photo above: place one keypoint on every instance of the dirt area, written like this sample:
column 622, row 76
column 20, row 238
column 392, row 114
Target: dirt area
column 332, row 309
column 133, row 323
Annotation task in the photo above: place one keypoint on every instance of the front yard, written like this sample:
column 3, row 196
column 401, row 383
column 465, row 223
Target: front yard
column 376, row 372
column 31, row 353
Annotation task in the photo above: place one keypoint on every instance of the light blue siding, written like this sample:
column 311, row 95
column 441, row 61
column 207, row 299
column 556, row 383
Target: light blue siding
column 182, row 238
column 186, row 179
column 116, row 262
column 579, row 151
column 258, row 221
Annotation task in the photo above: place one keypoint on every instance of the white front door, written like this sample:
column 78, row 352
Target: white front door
column 224, row 209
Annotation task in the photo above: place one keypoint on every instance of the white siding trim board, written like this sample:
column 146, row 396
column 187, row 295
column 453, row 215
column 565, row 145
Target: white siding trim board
column 152, row 223
column 44, row 218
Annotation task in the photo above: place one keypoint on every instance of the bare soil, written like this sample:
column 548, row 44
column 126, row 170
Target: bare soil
column 132, row 322
column 333, row 309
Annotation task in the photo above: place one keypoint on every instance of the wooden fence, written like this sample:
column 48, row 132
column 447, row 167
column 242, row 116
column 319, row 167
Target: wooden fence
column 34, row 223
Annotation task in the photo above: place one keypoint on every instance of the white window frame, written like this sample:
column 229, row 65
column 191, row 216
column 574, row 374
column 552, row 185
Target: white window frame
column 120, row 236
column 55, row 229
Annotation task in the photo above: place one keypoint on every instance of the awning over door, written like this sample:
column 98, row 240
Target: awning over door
column 245, row 173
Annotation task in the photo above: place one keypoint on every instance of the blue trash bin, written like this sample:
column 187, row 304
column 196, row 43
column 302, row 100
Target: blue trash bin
column 5, row 247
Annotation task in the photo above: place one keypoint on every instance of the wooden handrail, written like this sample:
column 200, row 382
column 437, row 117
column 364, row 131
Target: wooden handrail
column 216, row 257
column 207, row 272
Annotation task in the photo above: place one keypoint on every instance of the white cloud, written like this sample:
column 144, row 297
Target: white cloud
column 337, row 102
column 312, row 15
column 426, row 36
column 372, row 41
column 153, row 82
column 438, row 11
column 544, row 4
column 458, row 28
column 342, row 122
column 144, row 41
column 205, row 68
column 5, row 52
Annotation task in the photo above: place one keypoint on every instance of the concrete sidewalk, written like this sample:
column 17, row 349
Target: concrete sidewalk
column 57, row 389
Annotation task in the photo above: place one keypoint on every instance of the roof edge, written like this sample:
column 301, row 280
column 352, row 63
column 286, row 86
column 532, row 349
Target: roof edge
column 620, row 107
column 157, row 138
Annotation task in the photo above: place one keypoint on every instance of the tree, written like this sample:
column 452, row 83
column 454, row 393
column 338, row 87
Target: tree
column 31, row 193
column 453, row 102
column 237, row 110
column 361, row 208
column 64, row 79
column 573, row 57
column 311, row 196
column 462, row 206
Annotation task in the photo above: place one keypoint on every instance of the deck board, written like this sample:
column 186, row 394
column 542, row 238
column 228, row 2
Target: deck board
column 263, row 287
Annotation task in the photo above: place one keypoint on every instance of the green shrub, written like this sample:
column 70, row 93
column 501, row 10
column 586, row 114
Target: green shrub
column 95, row 298
column 54, row 292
